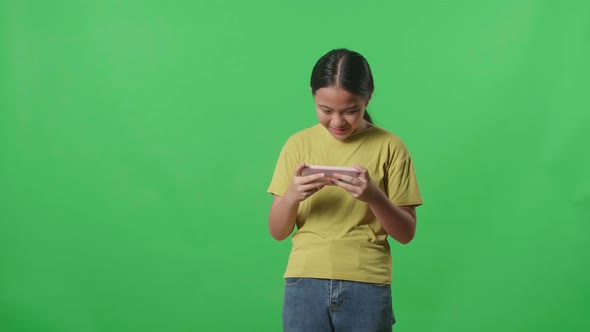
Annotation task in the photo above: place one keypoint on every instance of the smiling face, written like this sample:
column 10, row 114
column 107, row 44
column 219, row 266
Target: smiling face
column 340, row 111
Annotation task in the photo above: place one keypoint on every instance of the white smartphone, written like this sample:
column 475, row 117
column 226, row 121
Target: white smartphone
column 330, row 170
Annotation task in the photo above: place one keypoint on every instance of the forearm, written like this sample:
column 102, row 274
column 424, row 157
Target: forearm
column 281, row 219
column 399, row 224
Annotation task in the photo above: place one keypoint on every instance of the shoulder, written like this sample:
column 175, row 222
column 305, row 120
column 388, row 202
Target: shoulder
column 296, row 143
column 386, row 137
column 304, row 135
column 390, row 143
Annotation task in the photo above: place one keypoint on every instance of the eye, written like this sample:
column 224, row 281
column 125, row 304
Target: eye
column 326, row 111
column 351, row 112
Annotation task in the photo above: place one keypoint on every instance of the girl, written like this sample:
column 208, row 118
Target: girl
column 338, row 277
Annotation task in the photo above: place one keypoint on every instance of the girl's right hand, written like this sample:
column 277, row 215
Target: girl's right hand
column 302, row 187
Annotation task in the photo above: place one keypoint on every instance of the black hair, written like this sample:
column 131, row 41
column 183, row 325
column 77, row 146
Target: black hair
column 346, row 69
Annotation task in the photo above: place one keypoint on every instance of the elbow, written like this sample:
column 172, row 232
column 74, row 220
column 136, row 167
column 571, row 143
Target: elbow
column 405, row 241
column 277, row 234
column 407, row 238
column 278, row 237
column 409, row 234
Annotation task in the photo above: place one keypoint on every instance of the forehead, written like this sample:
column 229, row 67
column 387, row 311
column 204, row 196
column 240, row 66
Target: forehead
column 337, row 97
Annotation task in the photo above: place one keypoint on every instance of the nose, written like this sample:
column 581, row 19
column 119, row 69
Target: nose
column 337, row 120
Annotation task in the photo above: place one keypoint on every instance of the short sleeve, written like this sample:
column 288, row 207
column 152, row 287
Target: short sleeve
column 284, row 169
column 402, row 185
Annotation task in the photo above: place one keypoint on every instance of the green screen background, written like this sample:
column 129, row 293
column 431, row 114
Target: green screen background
column 137, row 140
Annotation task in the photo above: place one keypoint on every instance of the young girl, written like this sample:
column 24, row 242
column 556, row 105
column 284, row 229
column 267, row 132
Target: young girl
column 339, row 273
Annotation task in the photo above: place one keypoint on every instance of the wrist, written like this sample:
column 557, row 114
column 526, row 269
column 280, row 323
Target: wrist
column 290, row 198
column 376, row 197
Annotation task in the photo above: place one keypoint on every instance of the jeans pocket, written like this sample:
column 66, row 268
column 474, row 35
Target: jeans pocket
column 292, row 281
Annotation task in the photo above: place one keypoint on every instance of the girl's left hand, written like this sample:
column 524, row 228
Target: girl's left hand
column 361, row 188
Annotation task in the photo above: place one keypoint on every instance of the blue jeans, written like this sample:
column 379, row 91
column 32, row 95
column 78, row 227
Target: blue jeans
column 325, row 305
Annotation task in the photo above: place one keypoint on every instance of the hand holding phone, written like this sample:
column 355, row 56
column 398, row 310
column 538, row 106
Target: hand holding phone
column 329, row 171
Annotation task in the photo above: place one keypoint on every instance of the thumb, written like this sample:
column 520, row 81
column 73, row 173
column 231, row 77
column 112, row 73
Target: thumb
column 299, row 168
column 364, row 172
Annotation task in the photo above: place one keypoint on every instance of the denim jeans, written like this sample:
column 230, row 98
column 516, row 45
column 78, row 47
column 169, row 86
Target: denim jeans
column 324, row 305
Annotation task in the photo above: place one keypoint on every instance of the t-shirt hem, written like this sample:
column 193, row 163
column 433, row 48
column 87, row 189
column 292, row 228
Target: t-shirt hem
column 380, row 281
column 415, row 202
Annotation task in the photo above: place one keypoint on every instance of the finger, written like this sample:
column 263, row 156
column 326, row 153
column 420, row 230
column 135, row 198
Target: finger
column 346, row 186
column 299, row 168
column 364, row 172
column 346, row 178
column 307, row 194
column 313, row 186
column 311, row 178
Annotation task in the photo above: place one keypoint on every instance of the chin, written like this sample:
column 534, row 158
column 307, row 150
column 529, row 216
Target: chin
column 340, row 137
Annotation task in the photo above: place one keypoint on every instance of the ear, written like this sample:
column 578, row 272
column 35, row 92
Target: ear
column 368, row 100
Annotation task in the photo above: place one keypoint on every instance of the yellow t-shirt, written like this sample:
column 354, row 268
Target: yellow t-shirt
column 338, row 236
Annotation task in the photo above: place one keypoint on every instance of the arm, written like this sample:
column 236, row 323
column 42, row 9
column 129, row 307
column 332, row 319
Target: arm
column 282, row 216
column 283, row 212
column 398, row 221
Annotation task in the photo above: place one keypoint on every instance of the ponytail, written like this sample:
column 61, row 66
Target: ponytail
column 367, row 117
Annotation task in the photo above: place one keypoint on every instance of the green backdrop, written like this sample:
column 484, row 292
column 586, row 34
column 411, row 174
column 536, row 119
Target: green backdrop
column 137, row 140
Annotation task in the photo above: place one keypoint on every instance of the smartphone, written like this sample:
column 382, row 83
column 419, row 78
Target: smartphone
column 330, row 170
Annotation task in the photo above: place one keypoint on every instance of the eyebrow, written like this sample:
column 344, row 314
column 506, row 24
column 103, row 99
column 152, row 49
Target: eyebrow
column 346, row 109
